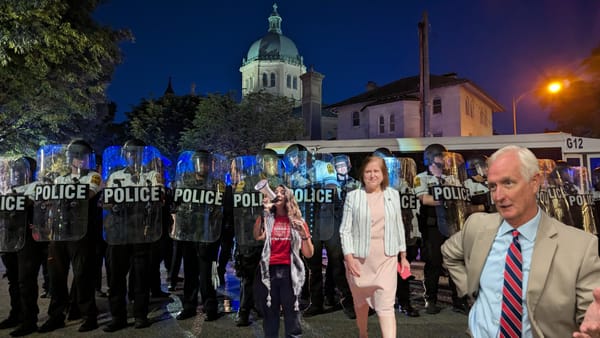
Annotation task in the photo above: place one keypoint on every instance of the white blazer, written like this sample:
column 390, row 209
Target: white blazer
column 355, row 229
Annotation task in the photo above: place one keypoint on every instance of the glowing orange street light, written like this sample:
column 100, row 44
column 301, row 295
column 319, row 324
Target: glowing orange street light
column 553, row 88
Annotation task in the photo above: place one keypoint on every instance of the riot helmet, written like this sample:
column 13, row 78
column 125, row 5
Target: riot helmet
column 383, row 152
column 477, row 166
column 132, row 151
column 342, row 164
column 80, row 155
column 296, row 157
column 268, row 161
column 202, row 162
column 432, row 151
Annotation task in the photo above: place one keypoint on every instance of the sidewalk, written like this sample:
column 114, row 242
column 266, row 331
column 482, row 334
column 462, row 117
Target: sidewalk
column 330, row 324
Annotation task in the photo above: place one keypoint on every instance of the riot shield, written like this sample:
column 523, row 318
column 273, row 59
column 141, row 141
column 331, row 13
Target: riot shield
column 14, row 174
column 198, row 196
column 575, row 183
column 408, row 200
column 61, row 195
column 133, row 198
column 324, row 189
column 246, row 172
column 453, row 196
column 551, row 197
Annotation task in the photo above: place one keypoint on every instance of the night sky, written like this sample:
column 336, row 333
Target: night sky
column 506, row 47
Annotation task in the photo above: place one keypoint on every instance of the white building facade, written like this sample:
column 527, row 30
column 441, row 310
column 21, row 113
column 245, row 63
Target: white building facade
column 458, row 108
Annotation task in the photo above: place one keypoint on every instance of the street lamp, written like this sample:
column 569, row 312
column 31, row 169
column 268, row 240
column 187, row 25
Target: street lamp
column 553, row 88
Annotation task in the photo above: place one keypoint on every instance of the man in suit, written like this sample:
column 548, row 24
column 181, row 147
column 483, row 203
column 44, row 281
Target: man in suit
column 560, row 264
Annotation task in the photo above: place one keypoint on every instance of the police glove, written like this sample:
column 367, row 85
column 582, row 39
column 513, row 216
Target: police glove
column 215, row 275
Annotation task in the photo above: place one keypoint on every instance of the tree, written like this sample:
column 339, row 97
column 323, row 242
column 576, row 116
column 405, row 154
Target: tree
column 576, row 107
column 160, row 122
column 231, row 128
column 55, row 63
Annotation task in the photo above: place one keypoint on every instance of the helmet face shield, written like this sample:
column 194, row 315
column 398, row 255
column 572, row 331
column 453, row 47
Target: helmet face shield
column 201, row 164
column 270, row 165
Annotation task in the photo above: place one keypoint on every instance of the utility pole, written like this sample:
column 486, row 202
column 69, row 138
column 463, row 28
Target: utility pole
column 424, row 76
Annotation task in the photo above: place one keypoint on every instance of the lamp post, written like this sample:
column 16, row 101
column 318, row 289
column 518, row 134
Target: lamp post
column 553, row 88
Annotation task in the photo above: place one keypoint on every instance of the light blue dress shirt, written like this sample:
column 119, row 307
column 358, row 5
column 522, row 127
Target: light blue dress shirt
column 484, row 317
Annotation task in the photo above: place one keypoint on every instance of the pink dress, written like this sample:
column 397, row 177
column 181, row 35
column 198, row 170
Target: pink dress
column 376, row 285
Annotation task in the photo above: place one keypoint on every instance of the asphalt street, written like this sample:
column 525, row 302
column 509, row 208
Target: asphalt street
column 333, row 323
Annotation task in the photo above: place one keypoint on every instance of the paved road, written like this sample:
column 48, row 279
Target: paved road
column 333, row 323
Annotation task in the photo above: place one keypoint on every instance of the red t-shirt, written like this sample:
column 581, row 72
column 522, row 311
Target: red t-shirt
column 281, row 241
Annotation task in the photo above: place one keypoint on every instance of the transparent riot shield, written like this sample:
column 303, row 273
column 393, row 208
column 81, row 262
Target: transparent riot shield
column 551, row 197
column 324, row 189
column 297, row 177
column 133, row 196
column 408, row 200
column 453, row 196
column 575, row 183
column 246, row 172
column 14, row 175
column 198, row 196
column 61, row 195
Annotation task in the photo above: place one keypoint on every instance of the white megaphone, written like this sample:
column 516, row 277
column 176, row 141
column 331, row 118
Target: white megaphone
column 263, row 187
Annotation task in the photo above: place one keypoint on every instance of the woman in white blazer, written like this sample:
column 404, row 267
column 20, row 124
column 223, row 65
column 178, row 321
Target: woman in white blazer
column 372, row 235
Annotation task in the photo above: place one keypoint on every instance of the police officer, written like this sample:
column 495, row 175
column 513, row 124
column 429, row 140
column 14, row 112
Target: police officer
column 335, row 260
column 14, row 173
column 80, row 254
column 130, row 254
column 30, row 259
column 476, row 183
column 200, row 258
column 248, row 251
column 433, row 232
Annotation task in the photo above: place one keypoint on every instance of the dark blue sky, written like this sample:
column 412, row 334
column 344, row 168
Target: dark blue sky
column 506, row 47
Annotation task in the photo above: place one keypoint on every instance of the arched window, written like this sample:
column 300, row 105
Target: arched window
column 265, row 82
column 381, row 124
column 288, row 81
column 355, row 119
column 437, row 105
column 295, row 82
column 272, row 79
column 392, row 123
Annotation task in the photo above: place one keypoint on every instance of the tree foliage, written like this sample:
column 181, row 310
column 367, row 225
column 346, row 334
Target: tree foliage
column 160, row 122
column 222, row 125
column 55, row 62
column 576, row 108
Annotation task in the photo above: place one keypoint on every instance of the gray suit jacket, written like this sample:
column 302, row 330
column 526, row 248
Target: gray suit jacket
column 565, row 268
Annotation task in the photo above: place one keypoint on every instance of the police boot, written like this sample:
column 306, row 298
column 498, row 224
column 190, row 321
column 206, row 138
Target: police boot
column 243, row 318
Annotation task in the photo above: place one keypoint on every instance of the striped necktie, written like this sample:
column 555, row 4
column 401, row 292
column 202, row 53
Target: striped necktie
column 512, row 302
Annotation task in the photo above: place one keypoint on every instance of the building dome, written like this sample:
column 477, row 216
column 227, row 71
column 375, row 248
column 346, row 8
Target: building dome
column 274, row 45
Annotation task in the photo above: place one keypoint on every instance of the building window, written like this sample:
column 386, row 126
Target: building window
column 272, row 79
column 265, row 83
column 437, row 105
column 355, row 119
column 295, row 82
column 381, row 124
column 288, row 81
column 392, row 123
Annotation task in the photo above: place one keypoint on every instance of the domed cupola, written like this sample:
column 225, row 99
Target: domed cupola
column 274, row 45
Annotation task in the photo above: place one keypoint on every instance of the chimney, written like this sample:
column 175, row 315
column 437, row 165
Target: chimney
column 371, row 85
column 312, row 98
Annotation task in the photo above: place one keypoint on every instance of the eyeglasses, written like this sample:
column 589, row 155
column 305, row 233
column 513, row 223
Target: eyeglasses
column 439, row 165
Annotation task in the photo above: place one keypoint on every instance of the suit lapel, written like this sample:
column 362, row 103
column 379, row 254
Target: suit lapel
column 481, row 247
column 541, row 260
